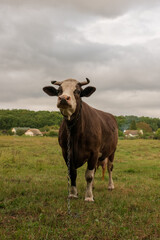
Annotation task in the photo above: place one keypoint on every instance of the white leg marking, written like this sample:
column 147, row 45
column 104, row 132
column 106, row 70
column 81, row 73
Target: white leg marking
column 73, row 192
column 111, row 184
column 89, row 178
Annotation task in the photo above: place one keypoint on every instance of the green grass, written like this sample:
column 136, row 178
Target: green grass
column 33, row 193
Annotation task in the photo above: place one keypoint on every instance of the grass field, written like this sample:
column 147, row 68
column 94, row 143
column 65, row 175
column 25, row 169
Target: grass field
column 33, row 193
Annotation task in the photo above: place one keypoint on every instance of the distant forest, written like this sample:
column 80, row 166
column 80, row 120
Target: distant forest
column 27, row 118
column 40, row 119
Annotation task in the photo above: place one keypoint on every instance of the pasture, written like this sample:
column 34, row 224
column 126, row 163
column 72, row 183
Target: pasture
column 33, row 193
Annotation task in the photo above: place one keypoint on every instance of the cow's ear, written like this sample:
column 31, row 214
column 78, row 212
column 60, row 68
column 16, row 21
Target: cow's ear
column 87, row 91
column 51, row 91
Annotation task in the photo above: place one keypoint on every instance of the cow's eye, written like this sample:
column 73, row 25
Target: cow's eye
column 77, row 91
column 60, row 91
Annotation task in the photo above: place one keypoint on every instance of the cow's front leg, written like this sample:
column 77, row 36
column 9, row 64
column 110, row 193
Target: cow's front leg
column 72, row 174
column 73, row 191
column 89, row 175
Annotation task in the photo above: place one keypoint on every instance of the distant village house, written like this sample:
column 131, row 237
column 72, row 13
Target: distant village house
column 33, row 132
column 132, row 133
column 27, row 131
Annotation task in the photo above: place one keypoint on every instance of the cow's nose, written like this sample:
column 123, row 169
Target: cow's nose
column 64, row 98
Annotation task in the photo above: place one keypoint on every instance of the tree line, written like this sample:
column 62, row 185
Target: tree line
column 133, row 122
column 40, row 119
column 27, row 118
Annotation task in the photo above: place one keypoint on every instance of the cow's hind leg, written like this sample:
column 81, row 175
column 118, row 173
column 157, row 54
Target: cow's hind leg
column 73, row 190
column 110, row 168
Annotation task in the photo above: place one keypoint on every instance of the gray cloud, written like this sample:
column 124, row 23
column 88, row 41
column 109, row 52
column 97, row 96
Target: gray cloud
column 105, row 8
column 46, row 40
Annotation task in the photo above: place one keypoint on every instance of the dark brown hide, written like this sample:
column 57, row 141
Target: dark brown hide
column 93, row 137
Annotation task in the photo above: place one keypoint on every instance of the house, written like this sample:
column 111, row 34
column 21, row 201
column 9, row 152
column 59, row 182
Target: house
column 132, row 133
column 33, row 132
column 15, row 129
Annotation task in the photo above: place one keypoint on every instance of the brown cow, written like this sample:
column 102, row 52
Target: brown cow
column 93, row 133
column 103, row 164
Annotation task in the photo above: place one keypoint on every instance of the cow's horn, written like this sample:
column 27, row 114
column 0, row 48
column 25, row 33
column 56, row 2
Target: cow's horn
column 85, row 83
column 56, row 83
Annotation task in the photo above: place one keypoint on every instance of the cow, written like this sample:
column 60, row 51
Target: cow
column 93, row 133
column 103, row 164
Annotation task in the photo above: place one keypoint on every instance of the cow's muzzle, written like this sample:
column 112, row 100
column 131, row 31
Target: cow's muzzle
column 64, row 101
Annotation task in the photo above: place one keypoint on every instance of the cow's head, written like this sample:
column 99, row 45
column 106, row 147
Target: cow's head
column 69, row 94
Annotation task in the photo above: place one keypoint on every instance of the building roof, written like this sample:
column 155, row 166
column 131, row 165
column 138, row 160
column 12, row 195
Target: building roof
column 133, row 132
column 35, row 131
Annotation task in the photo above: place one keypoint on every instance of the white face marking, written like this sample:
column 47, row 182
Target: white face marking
column 68, row 88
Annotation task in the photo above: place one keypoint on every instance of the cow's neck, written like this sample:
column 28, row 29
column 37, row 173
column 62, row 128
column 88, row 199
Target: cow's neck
column 75, row 118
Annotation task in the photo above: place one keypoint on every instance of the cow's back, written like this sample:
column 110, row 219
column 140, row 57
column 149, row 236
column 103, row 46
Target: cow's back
column 103, row 127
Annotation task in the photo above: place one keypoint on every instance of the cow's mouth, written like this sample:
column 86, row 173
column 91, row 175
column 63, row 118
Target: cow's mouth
column 66, row 111
column 63, row 105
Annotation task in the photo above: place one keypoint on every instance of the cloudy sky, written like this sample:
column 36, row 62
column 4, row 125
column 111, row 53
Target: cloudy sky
column 116, row 44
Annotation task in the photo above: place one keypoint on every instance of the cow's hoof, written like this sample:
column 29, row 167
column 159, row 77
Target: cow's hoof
column 110, row 187
column 89, row 199
column 73, row 196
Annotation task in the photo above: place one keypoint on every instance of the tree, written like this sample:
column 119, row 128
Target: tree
column 133, row 125
column 120, row 133
column 144, row 126
column 157, row 134
column 121, row 122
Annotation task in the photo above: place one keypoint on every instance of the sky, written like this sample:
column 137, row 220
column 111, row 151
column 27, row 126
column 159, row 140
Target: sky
column 116, row 44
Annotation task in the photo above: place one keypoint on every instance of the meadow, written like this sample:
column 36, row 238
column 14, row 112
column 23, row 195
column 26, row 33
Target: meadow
column 33, row 193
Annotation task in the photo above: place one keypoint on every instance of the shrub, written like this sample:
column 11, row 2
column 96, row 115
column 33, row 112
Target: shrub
column 157, row 134
column 20, row 132
column 10, row 132
column 147, row 135
column 53, row 133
